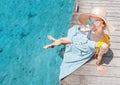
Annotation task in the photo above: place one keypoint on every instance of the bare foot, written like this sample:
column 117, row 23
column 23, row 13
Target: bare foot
column 51, row 38
column 101, row 69
column 48, row 46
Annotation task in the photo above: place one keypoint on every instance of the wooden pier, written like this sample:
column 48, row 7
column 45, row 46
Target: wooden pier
column 87, row 74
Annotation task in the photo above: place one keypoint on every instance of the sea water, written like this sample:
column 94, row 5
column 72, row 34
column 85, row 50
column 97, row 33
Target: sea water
column 24, row 26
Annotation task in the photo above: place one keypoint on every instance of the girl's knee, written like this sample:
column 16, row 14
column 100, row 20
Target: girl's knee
column 104, row 48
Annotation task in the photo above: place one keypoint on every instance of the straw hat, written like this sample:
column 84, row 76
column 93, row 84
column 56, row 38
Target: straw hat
column 97, row 12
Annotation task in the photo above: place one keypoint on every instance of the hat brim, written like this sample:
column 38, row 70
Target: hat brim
column 83, row 17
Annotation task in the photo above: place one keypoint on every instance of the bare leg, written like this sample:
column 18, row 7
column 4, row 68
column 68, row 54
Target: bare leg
column 58, row 42
column 51, row 38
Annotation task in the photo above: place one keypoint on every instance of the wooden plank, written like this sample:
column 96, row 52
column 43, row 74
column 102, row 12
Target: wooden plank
column 92, row 71
column 99, row 2
column 110, row 13
column 115, row 45
column 116, row 33
column 90, row 80
column 115, row 39
column 108, row 8
column 116, row 52
column 103, row 5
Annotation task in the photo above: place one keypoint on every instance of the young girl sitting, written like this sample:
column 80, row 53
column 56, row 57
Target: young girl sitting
column 81, row 46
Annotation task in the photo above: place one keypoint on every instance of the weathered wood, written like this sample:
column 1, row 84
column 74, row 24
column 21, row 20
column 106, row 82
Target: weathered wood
column 116, row 33
column 87, row 74
column 116, row 52
column 115, row 45
column 99, row 1
column 90, row 80
column 89, row 70
column 115, row 39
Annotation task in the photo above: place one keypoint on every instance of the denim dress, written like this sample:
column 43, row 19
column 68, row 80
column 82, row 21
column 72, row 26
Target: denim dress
column 78, row 52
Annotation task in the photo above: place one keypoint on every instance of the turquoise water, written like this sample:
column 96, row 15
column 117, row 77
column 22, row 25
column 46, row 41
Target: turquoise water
column 24, row 26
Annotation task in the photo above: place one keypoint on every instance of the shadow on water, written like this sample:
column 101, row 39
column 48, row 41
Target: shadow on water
column 61, row 52
column 1, row 50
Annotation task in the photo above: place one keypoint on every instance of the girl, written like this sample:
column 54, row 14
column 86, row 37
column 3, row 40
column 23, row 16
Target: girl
column 81, row 46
